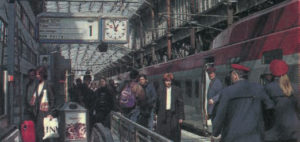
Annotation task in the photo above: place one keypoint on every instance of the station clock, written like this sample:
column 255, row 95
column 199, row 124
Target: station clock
column 115, row 30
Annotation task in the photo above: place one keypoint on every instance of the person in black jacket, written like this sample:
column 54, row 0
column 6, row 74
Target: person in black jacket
column 169, row 110
column 103, row 103
column 286, row 120
column 239, row 116
column 87, row 97
column 75, row 93
column 31, row 79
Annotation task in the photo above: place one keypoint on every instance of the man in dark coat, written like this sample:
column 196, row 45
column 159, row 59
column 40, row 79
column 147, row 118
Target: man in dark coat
column 170, row 110
column 214, row 88
column 239, row 116
column 103, row 104
column 88, row 96
column 147, row 105
column 31, row 79
column 76, row 94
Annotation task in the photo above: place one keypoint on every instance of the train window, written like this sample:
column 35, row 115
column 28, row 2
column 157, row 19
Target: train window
column 176, row 83
column 210, row 60
column 188, row 87
column 197, row 88
column 268, row 56
column 266, row 78
column 234, row 60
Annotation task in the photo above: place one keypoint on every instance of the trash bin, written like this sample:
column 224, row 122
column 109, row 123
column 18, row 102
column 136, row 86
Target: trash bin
column 73, row 124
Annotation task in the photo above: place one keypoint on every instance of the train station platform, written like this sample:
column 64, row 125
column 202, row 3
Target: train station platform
column 122, row 130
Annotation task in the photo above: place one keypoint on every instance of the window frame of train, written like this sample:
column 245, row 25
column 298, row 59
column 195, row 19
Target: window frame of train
column 270, row 55
column 197, row 88
column 189, row 87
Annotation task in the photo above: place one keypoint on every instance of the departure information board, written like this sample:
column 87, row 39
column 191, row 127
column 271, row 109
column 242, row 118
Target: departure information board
column 62, row 30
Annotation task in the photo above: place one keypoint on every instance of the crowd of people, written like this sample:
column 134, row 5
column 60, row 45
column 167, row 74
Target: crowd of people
column 165, row 105
column 241, row 112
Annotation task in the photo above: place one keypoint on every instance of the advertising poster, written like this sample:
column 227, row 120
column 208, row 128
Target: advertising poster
column 76, row 126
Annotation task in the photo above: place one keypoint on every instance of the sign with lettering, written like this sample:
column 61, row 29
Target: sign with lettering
column 68, row 29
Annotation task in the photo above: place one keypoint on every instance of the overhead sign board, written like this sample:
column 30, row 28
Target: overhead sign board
column 126, row 1
column 68, row 29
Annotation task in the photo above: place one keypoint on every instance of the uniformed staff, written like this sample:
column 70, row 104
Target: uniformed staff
column 215, row 86
column 286, row 119
column 239, row 116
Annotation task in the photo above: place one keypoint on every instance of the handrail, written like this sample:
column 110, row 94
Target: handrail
column 129, row 131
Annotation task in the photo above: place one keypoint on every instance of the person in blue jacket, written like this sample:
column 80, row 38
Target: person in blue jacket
column 286, row 123
column 239, row 116
column 147, row 105
column 215, row 86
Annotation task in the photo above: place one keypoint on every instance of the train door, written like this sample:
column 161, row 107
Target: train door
column 209, row 62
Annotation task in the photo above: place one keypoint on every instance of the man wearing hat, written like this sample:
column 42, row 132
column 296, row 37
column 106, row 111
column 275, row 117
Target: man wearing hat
column 286, row 126
column 169, row 109
column 239, row 116
column 214, row 88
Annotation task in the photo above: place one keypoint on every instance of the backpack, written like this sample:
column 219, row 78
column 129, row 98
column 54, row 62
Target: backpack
column 127, row 97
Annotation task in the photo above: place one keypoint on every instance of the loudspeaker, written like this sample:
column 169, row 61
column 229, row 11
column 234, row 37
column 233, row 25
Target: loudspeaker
column 102, row 47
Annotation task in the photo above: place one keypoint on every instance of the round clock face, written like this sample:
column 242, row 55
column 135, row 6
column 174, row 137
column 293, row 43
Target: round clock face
column 115, row 30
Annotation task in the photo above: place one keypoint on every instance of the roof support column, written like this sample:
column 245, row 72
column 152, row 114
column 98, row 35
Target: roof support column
column 229, row 13
column 169, row 24
column 192, row 31
column 153, row 20
column 11, row 58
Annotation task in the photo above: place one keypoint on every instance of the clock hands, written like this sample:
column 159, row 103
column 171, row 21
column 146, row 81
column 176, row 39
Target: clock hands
column 116, row 28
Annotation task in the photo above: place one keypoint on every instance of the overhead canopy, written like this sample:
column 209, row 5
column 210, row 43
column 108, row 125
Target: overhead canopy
column 117, row 7
column 87, row 56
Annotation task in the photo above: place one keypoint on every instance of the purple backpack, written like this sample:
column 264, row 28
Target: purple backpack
column 127, row 97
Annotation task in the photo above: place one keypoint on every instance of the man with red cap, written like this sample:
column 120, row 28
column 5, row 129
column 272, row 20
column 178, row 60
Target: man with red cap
column 239, row 116
column 169, row 109
column 286, row 126
column 214, row 88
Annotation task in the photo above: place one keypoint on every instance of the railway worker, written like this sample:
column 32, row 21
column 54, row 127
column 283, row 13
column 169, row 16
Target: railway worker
column 148, row 104
column 239, row 116
column 286, row 123
column 169, row 109
column 215, row 86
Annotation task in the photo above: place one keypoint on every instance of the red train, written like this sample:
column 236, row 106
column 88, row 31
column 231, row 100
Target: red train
column 254, row 41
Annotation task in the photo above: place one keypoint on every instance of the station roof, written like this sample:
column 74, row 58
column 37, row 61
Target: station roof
column 87, row 56
column 117, row 7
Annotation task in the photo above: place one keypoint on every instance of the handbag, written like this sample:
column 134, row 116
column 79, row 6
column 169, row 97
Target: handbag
column 50, row 128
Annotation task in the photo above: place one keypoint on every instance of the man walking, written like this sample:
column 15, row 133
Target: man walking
column 147, row 105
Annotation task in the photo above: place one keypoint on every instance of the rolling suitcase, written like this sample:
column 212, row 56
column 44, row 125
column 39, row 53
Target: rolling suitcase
column 28, row 131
